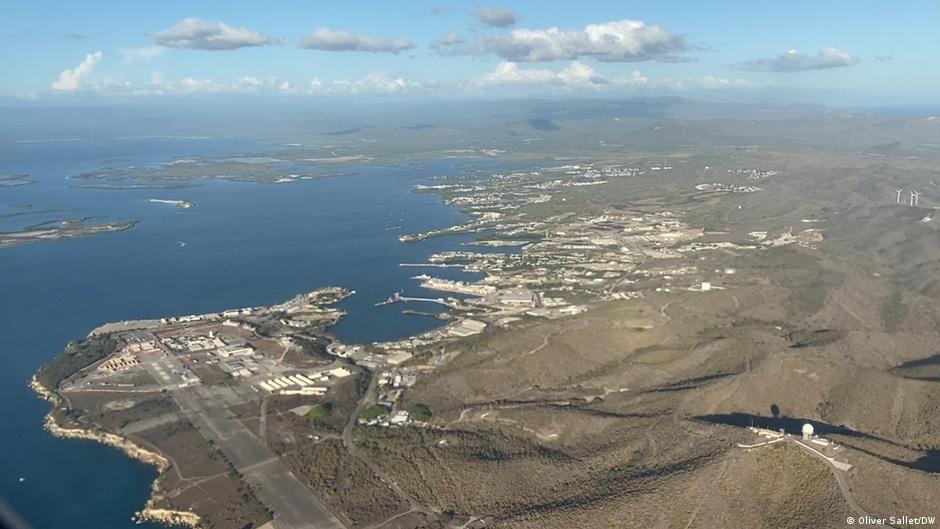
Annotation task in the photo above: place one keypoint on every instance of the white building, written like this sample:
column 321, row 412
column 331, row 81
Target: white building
column 398, row 357
column 467, row 327
column 400, row 417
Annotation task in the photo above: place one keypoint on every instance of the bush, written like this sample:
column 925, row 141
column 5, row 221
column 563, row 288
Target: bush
column 419, row 412
column 320, row 410
column 77, row 356
column 374, row 412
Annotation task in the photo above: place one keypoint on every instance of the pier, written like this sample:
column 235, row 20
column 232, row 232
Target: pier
column 396, row 297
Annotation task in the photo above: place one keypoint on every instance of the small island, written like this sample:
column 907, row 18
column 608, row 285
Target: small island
column 61, row 229
column 182, row 204
column 13, row 180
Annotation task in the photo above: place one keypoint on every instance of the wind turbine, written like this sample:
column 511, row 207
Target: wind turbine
column 899, row 195
column 915, row 198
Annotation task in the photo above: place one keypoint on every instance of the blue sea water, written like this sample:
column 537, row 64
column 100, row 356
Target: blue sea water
column 245, row 244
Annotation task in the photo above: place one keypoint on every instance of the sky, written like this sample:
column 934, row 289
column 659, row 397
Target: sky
column 852, row 52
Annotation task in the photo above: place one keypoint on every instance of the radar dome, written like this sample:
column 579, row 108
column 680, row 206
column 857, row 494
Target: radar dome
column 808, row 431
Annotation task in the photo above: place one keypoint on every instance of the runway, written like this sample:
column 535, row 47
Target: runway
column 294, row 505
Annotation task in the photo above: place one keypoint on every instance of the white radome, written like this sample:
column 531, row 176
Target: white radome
column 808, row 430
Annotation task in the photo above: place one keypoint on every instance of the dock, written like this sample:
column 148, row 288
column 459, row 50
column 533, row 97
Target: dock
column 397, row 297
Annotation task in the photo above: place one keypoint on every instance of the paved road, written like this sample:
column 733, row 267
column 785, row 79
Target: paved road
column 347, row 437
column 294, row 505
column 838, row 470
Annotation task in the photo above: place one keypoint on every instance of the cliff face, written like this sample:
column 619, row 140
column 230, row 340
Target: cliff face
column 150, row 512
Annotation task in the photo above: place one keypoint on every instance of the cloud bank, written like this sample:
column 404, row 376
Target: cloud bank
column 618, row 41
column 327, row 39
column 198, row 34
column 575, row 76
column 509, row 72
column 499, row 17
column 74, row 35
column 794, row 61
column 451, row 38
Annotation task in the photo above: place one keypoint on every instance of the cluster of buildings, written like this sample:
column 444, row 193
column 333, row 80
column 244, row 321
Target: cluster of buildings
column 807, row 238
column 181, row 351
column 120, row 362
column 300, row 383
column 572, row 256
column 382, row 354
column 554, row 266
column 807, row 439
column 392, row 383
column 127, row 357
column 458, row 287
column 578, row 173
column 725, row 187
column 397, row 418
column 304, row 310
column 754, row 174
column 192, row 344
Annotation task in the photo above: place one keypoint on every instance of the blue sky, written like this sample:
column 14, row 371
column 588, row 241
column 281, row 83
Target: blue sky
column 838, row 51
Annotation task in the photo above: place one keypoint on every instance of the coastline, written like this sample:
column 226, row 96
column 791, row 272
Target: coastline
column 151, row 455
column 149, row 512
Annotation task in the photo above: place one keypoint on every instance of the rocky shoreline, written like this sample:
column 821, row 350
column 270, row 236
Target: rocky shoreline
column 150, row 513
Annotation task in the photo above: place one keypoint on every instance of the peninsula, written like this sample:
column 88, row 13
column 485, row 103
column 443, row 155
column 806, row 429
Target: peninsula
column 61, row 229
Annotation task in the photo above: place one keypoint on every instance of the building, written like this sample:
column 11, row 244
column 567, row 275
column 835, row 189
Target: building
column 307, row 390
column 399, row 357
column 235, row 350
column 518, row 297
column 339, row 372
column 467, row 327
column 808, row 432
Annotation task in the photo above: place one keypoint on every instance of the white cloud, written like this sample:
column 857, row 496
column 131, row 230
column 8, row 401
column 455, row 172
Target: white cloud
column 575, row 74
column 141, row 55
column 198, row 34
column 373, row 83
column 507, row 79
column 75, row 35
column 794, row 61
column 509, row 72
column 637, row 78
column 578, row 77
column 159, row 85
column 619, row 41
column 707, row 82
column 711, row 82
column 451, row 38
column 495, row 16
column 71, row 78
column 327, row 39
